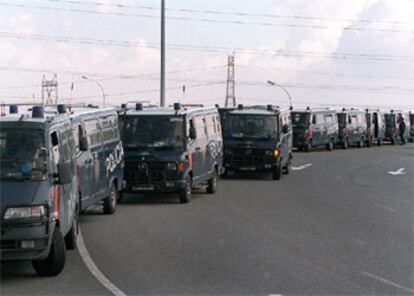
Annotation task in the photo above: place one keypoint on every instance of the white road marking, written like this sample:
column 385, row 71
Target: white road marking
column 373, row 276
column 397, row 173
column 302, row 167
column 94, row 269
column 385, row 207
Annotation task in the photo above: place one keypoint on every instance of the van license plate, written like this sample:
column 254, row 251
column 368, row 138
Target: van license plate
column 143, row 188
column 248, row 169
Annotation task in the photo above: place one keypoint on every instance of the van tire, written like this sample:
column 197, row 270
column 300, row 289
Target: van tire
column 109, row 206
column 185, row 193
column 393, row 141
column 308, row 146
column 345, row 144
column 360, row 143
column 330, row 145
column 55, row 261
column 286, row 169
column 379, row 142
column 120, row 197
column 277, row 172
column 369, row 142
column 212, row 183
column 71, row 238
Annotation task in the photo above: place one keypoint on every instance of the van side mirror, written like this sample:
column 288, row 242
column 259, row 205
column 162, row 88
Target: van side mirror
column 285, row 128
column 193, row 133
column 64, row 173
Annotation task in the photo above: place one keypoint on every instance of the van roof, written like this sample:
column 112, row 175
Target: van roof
column 169, row 111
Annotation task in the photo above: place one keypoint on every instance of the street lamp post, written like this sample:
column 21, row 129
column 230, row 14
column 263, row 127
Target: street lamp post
column 100, row 86
column 284, row 89
column 162, row 82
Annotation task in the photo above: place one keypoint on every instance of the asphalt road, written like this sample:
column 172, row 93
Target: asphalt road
column 343, row 225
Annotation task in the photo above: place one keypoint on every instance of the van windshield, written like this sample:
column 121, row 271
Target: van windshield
column 251, row 126
column 22, row 155
column 342, row 119
column 300, row 119
column 153, row 132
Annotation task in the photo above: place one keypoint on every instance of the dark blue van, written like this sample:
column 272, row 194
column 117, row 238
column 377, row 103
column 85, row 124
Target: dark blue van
column 99, row 157
column 391, row 127
column 314, row 128
column 410, row 126
column 257, row 139
column 375, row 126
column 171, row 150
column 352, row 128
column 38, row 188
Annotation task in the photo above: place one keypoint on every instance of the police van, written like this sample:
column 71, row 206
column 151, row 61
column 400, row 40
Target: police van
column 257, row 139
column 314, row 128
column 410, row 126
column 38, row 188
column 352, row 128
column 391, row 127
column 99, row 155
column 375, row 126
column 172, row 149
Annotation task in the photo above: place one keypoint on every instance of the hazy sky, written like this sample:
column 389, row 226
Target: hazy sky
column 326, row 52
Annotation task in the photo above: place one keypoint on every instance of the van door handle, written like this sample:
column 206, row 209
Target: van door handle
column 198, row 148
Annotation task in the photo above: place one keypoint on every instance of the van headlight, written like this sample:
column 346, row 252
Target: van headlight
column 171, row 166
column 25, row 212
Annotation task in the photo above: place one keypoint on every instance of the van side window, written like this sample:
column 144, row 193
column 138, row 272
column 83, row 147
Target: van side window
column 55, row 148
column 319, row 119
column 76, row 137
column 329, row 119
column 65, row 143
column 313, row 119
column 354, row 120
column 109, row 129
column 200, row 125
column 93, row 132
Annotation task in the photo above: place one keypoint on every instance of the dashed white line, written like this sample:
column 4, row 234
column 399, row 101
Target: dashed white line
column 385, row 207
column 94, row 269
column 385, row 281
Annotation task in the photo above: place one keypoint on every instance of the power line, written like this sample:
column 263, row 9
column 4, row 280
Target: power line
column 234, row 13
column 119, row 76
column 206, row 20
column 322, row 73
column 206, row 48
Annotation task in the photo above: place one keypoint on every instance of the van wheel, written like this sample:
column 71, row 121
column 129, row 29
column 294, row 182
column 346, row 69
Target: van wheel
column 286, row 169
column 369, row 142
column 71, row 238
column 393, row 141
column 120, row 197
column 185, row 194
column 225, row 175
column 308, row 146
column 360, row 143
column 330, row 145
column 55, row 261
column 109, row 206
column 379, row 142
column 277, row 172
column 345, row 144
column 212, row 183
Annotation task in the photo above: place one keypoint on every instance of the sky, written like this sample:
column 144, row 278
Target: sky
column 354, row 53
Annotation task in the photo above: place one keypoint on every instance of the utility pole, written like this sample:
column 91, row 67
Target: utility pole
column 49, row 87
column 162, row 83
column 231, row 85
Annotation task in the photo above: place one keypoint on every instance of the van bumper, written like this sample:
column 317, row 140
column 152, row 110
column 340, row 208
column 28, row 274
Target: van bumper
column 262, row 168
column 29, row 241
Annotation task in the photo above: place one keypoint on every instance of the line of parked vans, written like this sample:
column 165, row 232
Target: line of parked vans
column 56, row 161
